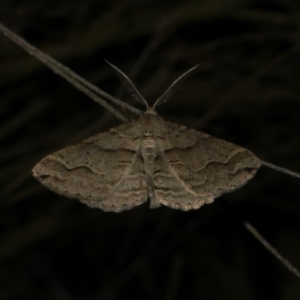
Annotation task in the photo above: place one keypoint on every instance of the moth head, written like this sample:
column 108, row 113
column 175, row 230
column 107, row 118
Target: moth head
column 133, row 91
column 150, row 110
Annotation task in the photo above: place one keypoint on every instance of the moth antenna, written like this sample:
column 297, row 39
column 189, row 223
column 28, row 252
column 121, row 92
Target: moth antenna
column 130, row 87
column 173, row 88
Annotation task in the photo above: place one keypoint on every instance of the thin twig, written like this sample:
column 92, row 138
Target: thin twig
column 76, row 80
column 261, row 239
column 280, row 169
column 271, row 249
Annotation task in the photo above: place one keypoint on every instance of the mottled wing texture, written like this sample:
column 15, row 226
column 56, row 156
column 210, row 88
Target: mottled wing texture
column 194, row 168
column 104, row 171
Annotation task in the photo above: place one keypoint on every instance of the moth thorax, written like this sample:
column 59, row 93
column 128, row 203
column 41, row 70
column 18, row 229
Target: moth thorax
column 148, row 142
column 147, row 134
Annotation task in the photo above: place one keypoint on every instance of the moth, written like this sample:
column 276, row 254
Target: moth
column 149, row 158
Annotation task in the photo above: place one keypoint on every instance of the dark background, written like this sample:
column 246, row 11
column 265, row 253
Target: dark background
column 246, row 91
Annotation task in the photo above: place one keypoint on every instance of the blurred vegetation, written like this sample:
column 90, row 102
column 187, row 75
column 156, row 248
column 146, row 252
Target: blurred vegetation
column 246, row 91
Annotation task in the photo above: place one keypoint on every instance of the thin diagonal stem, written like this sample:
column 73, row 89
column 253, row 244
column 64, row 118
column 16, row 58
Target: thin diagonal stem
column 280, row 169
column 65, row 72
column 261, row 239
column 271, row 249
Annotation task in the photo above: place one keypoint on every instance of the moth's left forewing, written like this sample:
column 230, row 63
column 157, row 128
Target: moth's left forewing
column 103, row 171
